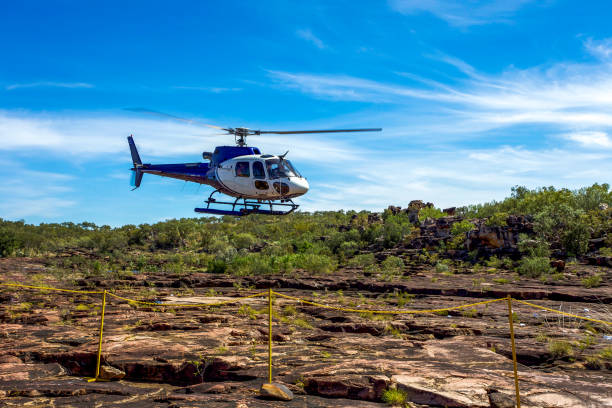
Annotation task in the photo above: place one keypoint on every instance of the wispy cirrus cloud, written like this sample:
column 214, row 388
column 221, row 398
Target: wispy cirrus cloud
column 456, row 177
column 463, row 13
column 211, row 89
column 592, row 140
column 576, row 96
column 78, row 136
column 307, row 35
column 49, row 84
column 599, row 48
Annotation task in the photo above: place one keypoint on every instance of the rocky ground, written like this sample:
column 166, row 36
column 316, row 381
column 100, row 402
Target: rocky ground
column 217, row 357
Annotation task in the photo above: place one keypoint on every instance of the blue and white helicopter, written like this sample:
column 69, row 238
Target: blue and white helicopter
column 259, row 183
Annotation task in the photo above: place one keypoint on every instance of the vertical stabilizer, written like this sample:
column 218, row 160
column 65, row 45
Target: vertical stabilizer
column 135, row 156
column 137, row 175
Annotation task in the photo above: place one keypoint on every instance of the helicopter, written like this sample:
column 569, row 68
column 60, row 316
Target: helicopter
column 259, row 183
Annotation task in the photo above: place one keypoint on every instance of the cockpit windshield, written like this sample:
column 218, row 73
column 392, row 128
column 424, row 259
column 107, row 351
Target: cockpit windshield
column 281, row 168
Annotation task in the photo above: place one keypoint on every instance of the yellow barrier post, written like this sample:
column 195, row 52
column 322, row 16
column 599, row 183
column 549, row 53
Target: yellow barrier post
column 516, row 384
column 270, row 335
column 100, row 340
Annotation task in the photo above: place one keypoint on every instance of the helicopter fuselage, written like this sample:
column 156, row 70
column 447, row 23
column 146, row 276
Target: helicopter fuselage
column 248, row 175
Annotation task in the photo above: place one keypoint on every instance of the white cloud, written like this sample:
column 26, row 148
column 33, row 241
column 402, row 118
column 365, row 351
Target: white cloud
column 49, row 84
column 599, row 48
column 568, row 95
column 454, row 178
column 463, row 13
column 308, row 35
column 211, row 89
column 78, row 136
column 595, row 140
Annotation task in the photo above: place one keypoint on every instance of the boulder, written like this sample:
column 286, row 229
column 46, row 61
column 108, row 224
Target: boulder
column 276, row 391
column 111, row 373
column 500, row 400
column 450, row 211
column 394, row 210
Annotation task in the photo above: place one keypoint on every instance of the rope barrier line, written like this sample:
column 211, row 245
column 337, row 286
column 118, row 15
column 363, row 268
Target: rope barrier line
column 386, row 311
column 133, row 300
column 563, row 313
column 17, row 285
column 234, row 300
column 50, row 288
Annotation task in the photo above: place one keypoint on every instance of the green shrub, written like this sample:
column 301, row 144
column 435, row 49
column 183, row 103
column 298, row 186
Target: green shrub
column 362, row 260
column 461, row 227
column 592, row 281
column 392, row 264
column 494, row 262
column 442, row 267
column 217, row 266
column 347, row 249
column 534, row 266
column 404, row 298
column 244, row 240
column 430, row 212
column 606, row 353
column 394, row 397
column 497, row 220
column 8, row 243
column 560, row 349
column 605, row 252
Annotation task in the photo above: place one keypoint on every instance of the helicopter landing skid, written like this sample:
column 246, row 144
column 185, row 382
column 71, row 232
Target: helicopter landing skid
column 242, row 206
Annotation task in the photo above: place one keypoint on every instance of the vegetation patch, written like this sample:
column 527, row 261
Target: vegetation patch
column 394, row 397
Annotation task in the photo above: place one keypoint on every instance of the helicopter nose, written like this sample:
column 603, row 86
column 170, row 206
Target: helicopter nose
column 299, row 186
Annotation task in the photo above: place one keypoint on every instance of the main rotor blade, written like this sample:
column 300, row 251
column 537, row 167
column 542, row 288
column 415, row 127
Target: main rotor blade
column 167, row 115
column 289, row 132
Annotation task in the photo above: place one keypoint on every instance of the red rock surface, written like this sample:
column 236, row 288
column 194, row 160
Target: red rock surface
column 217, row 357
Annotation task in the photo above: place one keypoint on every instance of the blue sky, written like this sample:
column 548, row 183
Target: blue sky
column 474, row 98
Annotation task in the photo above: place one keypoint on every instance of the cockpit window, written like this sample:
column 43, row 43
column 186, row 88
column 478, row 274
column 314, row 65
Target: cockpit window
column 292, row 168
column 242, row 169
column 258, row 170
column 280, row 168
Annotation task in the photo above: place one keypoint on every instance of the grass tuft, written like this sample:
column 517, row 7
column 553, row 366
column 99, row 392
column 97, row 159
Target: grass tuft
column 394, row 397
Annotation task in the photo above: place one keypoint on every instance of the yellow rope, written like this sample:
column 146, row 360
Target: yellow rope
column 234, row 300
column 48, row 288
column 386, row 311
column 563, row 313
column 17, row 285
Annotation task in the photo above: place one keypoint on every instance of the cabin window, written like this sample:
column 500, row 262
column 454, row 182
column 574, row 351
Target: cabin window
column 258, row 170
column 281, row 188
column 242, row 169
column 261, row 185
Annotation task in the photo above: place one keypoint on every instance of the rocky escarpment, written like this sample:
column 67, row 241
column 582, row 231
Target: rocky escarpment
column 483, row 241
